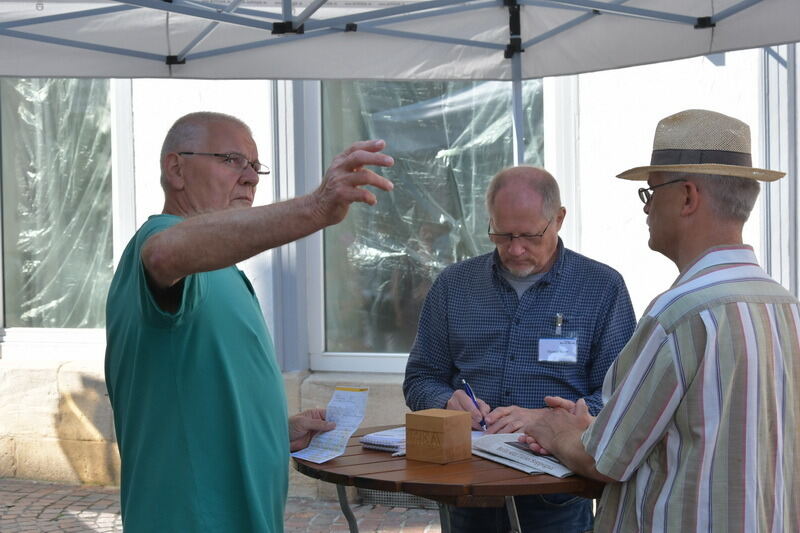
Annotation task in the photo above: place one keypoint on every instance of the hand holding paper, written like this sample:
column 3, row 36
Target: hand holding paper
column 303, row 426
column 346, row 410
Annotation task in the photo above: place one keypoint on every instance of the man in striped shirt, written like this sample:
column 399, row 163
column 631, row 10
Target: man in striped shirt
column 700, row 427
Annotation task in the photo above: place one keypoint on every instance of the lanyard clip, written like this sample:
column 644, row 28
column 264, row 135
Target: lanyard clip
column 559, row 322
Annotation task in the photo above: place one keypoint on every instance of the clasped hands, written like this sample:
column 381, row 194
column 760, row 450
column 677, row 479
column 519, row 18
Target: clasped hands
column 542, row 427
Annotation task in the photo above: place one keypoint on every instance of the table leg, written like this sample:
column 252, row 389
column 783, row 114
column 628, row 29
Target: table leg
column 348, row 513
column 513, row 519
column 444, row 517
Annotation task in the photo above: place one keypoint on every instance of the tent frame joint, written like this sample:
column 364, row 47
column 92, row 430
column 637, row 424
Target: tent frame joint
column 513, row 47
column 351, row 26
column 174, row 60
column 704, row 23
column 280, row 28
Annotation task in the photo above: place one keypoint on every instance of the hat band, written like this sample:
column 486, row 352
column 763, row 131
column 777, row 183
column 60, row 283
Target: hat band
column 699, row 157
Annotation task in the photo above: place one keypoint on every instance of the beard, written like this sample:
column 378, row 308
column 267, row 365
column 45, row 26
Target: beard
column 521, row 271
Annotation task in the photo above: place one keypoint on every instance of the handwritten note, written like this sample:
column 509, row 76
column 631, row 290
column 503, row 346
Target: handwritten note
column 346, row 408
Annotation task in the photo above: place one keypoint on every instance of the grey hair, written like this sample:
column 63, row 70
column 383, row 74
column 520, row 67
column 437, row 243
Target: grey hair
column 730, row 197
column 539, row 181
column 188, row 131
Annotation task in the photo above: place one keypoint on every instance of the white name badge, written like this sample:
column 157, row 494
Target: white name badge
column 558, row 350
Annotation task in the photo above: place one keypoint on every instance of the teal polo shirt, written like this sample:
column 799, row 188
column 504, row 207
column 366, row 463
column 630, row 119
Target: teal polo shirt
column 199, row 403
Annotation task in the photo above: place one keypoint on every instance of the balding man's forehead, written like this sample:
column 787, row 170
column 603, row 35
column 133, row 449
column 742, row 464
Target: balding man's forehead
column 525, row 172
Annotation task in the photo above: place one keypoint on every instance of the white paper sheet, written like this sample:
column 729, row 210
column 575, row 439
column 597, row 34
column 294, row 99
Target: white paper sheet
column 346, row 409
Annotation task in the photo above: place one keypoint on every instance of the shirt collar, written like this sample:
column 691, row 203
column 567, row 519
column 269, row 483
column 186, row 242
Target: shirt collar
column 716, row 256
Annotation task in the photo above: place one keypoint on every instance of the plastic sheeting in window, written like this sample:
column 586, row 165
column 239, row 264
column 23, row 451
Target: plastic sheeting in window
column 56, row 201
column 448, row 139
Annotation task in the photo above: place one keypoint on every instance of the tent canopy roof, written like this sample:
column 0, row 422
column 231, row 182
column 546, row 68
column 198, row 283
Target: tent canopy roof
column 374, row 39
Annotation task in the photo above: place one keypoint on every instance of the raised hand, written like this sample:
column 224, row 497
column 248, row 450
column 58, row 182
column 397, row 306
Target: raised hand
column 344, row 180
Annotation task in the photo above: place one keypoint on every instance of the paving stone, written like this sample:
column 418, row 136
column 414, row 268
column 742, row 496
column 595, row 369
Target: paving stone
column 39, row 507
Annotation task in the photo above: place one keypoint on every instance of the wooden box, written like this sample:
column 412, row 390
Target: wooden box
column 438, row 435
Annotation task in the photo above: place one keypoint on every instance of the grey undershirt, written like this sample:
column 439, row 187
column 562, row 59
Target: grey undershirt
column 521, row 284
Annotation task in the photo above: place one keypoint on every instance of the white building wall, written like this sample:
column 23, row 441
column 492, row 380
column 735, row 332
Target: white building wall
column 618, row 113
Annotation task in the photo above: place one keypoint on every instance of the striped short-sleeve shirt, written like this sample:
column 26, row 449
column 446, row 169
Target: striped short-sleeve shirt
column 701, row 417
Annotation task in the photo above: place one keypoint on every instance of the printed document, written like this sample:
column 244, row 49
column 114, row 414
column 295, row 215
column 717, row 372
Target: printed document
column 346, row 409
column 504, row 448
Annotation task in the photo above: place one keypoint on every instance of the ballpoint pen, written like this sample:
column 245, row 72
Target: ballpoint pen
column 472, row 397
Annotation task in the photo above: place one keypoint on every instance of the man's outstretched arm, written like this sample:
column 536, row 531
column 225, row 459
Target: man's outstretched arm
column 217, row 240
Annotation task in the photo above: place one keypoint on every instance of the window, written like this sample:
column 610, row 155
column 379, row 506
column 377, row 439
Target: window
column 448, row 139
column 56, row 198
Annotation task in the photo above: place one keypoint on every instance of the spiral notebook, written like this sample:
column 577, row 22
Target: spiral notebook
column 389, row 440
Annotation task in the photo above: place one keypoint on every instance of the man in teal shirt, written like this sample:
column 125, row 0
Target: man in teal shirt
column 198, row 398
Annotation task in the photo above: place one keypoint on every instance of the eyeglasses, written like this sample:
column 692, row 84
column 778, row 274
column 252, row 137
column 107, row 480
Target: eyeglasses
column 645, row 195
column 528, row 238
column 239, row 161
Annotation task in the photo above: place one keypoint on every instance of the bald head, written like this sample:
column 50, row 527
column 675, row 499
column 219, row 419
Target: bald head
column 188, row 132
column 526, row 179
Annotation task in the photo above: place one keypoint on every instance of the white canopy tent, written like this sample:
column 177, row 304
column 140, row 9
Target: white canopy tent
column 376, row 39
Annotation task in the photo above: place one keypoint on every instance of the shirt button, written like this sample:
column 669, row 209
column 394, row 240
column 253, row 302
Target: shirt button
column 507, row 393
column 513, row 358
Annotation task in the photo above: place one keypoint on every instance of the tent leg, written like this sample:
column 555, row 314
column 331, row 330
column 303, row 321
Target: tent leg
column 516, row 106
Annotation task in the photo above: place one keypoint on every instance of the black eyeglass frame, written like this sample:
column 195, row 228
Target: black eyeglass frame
column 645, row 195
column 524, row 236
column 260, row 168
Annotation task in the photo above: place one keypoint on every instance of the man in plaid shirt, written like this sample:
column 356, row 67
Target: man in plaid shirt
column 529, row 320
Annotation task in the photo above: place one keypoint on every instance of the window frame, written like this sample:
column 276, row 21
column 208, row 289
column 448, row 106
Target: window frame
column 560, row 126
column 85, row 343
column 780, row 200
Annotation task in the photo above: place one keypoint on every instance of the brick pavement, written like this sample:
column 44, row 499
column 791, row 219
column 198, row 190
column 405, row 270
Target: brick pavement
column 38, row 507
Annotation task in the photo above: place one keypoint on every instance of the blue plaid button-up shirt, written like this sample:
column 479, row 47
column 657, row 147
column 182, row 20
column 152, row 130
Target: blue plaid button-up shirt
column 473, row 326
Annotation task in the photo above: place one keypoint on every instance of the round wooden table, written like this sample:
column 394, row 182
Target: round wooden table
column 474, row 482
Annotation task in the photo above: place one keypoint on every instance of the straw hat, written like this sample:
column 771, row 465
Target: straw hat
column 702, row 142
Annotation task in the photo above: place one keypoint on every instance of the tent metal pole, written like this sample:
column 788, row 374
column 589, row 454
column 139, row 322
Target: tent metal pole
column 187, row 9
column 376, row 14
column 206, row 31
column 722, row 15
column 428, row 14
column 310, row 10
column 81, row 45
column 514, row 53
column 66, row 16
column 516, row 105
column 287, row 10
column 566, row 26
column 792, row 138
column 427, row 37
column 605, row 7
